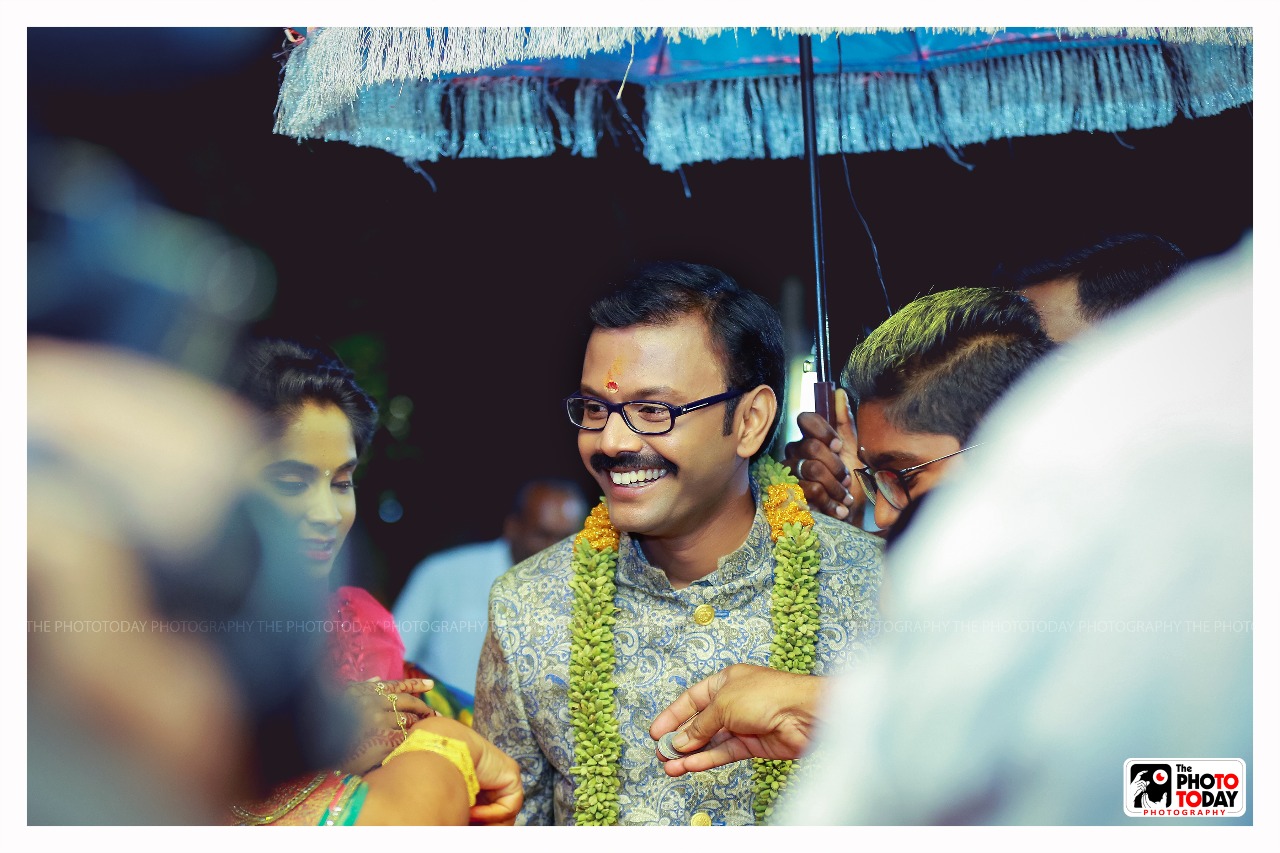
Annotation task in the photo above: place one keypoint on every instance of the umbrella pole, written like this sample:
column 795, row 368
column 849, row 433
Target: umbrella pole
column 824, row 389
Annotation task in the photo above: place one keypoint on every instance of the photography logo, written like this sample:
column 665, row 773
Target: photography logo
column 1184, row 787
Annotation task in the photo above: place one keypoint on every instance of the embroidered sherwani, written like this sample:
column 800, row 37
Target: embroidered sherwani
column 665, row 640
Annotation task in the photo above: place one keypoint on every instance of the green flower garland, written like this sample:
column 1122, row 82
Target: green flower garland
column 794, row 605
column 597, row 744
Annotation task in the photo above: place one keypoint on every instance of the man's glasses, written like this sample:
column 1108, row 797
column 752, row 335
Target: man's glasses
column 894, row 484
column 646, row 417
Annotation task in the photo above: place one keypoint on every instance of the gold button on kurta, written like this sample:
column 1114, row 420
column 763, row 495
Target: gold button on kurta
column 704, row 614
column 701, row 818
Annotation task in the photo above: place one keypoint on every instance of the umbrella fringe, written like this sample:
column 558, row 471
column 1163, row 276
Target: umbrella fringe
column 354, row 58
column 491, row 117
column 1112, row 89
column 336, row 65
column 1124, row 87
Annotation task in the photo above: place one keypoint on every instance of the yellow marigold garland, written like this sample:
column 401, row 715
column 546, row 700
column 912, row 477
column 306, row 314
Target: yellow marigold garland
column 597, row 745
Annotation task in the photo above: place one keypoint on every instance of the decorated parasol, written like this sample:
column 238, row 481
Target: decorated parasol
column 714, row 94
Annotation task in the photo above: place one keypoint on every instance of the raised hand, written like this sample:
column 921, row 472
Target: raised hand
column 823, row 461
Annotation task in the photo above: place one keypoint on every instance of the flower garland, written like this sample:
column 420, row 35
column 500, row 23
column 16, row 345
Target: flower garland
column 794, row 603
column 597, row 745
column 592, row 710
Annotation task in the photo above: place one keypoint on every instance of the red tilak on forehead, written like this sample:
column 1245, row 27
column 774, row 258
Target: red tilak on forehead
column 610, row 384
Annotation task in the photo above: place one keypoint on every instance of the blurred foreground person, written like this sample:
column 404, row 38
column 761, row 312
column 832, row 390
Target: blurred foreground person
column 115, row 443
column 1077, row 626
column 147, row 590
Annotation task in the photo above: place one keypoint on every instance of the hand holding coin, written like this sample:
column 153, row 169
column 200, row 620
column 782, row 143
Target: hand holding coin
column 666, row 751
column 742, row 711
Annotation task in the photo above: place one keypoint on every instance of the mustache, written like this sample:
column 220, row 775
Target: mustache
column 629, row 460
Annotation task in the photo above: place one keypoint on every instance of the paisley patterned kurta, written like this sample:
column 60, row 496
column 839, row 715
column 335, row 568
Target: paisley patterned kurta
column 522, row 689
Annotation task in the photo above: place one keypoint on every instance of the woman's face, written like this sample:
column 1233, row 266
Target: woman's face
column 308, row 500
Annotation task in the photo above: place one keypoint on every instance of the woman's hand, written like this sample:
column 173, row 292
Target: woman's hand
column 501, row 791
column 379, row 718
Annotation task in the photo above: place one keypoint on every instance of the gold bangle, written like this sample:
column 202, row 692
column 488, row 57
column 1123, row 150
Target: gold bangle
column 451, row 748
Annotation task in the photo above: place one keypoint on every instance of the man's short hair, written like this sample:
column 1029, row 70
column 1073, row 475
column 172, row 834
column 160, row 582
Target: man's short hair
column 1111, row 274
column 746, row 331
column 940, row 362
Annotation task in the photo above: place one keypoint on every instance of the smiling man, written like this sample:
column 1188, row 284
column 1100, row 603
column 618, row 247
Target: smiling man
column 674, row 575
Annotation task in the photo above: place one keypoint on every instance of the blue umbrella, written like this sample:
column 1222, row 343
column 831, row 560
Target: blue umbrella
column 713, row 94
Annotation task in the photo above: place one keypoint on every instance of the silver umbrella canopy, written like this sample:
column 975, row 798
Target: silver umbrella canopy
column 713, row 94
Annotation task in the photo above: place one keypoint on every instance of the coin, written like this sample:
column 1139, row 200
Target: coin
column 666, row 750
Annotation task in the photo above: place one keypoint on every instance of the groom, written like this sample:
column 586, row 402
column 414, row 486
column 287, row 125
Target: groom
column 674, row 577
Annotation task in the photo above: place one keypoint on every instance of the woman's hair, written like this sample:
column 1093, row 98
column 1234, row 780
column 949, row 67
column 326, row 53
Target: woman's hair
column 279, row 377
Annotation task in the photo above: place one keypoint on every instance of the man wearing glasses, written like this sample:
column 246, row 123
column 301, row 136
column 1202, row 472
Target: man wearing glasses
column 923, row 381
column 678, row 396
column 920, row 384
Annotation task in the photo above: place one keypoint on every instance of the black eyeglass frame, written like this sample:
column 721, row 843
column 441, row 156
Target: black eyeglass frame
column 619, row 408
column 871, row 484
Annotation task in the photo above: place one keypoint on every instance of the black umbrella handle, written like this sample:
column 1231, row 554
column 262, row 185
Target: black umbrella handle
column 824, row 401
column 824, row 390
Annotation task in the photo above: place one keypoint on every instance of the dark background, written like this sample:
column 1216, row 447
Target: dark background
column 469, row 301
